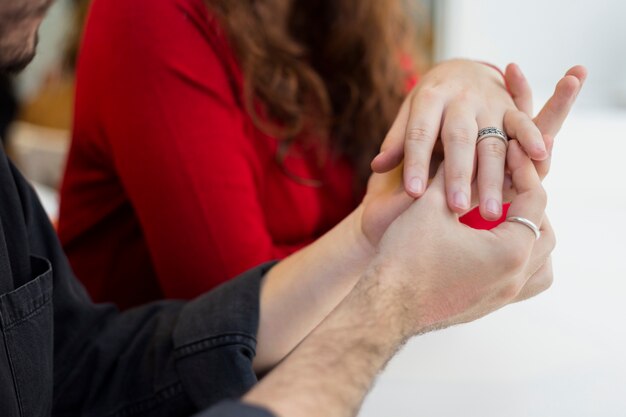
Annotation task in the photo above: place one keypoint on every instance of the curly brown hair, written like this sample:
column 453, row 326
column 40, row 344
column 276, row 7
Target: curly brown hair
column 337, row 68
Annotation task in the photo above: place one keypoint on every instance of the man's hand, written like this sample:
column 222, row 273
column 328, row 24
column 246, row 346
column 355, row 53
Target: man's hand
column 450, row 273
column 301, row 291
column 431, row 272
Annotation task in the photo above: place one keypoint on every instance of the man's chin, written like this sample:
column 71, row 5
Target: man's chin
column 17, row 65
column 16, row 61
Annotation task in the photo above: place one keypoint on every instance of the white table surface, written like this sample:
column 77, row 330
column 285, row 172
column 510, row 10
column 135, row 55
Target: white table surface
column 562, row 353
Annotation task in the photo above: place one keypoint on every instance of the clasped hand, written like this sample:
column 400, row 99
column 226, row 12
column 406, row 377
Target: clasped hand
column 440, row 121
column 441, row 118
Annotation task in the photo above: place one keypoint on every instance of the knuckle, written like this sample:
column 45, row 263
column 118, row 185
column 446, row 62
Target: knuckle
column 459, row 136
column 515, row 257
column 519, row 116
column 429, row 93
column 510, row 117
column 458, row 175
column 550, row 239
column 420, row 134
column 545, row 282
column 466, row 95
column 539, row 283
column 510, row 290
column 493, row 149
column 492, row 186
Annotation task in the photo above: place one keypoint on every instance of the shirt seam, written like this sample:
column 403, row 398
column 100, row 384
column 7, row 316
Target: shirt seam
column 210, row 343
column 37, row 307
column 13, row 375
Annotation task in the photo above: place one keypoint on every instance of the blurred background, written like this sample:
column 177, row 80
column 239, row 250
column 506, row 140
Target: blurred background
column 36, row 107
column 561, row 354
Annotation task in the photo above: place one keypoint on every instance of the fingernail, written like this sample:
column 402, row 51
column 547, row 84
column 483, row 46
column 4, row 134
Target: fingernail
column 461, row 200
column 541, row 147
column 416, row 185
column 541, row 152
column 493, row 206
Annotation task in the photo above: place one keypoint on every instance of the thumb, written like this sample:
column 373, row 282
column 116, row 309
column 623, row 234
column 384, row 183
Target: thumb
column 435, row 193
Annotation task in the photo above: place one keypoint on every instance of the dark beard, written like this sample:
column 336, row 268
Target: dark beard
column 18, row 63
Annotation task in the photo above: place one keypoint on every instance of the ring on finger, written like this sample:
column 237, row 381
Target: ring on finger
column 492, row 132
column 523, row 220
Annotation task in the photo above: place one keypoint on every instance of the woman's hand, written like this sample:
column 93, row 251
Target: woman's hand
column 552, row 115
column 452, row 102
column 386, row 197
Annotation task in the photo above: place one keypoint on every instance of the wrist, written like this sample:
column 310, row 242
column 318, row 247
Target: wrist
column 465, row 65
column 375, row 313
column 493, row 67
column 300, row 291
column 363, row 250
column 497, row 70
column 355, row 341
column 391, row 303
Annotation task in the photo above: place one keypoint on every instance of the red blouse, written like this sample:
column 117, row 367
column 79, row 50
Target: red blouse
column 170, row 189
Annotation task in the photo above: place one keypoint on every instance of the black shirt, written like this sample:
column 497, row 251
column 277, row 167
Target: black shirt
column 62, row 355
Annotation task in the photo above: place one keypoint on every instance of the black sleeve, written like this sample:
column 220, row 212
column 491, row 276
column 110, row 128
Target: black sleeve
column 234, row 409
column 168, row 358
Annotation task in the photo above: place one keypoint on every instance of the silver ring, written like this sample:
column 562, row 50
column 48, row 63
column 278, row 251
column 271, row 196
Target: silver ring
column 492, row 132
column 522, row 220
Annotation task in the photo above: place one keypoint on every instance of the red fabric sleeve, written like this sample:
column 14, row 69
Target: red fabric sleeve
column 181, row 148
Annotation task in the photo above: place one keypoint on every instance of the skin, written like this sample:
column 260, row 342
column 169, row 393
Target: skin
column 349, row 300
column 301, row 291
column 454, row 100
column 551, row 117
column 19, row 23
column 404, row 293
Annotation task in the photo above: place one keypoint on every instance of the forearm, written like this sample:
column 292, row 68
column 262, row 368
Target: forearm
column 299, row 292
column 335, row 366
column 413, row 285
